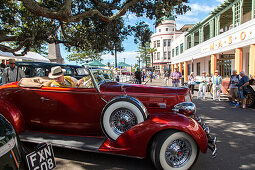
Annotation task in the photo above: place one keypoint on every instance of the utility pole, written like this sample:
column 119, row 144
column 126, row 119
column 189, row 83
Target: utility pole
column 124, row 59
column 115, row 58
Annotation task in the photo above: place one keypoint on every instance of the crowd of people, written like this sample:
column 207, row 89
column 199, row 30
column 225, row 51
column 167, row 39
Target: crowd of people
column 207, row 84
column 237, row 86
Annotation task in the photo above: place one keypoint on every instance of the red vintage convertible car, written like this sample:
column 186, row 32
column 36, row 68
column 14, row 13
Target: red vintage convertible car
column 105, row 116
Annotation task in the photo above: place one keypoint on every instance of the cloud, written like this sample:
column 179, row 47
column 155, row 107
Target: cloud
column 130, row 57
column 187, row 19
column 201, row 8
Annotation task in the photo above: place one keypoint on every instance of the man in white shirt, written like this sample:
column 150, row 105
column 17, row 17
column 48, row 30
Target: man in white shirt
column 216, row 81
column 202, row 86
column 12, row 73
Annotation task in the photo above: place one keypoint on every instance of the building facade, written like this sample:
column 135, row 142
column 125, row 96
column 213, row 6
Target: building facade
column 225, row 40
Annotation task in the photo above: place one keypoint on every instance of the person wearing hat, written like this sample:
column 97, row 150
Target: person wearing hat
column 57, row 73
column 202, row 86
column 216, row 83
column 12, row 73
column 176, row 76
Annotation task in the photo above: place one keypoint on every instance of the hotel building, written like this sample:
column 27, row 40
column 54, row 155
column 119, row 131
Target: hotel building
column 224, row 40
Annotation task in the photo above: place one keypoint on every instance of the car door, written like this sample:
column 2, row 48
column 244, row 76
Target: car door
column 72, row 110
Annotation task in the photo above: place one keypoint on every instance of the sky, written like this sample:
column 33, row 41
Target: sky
column 199, row 11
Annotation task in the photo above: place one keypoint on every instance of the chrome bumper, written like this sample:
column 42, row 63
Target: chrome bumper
column 211, row 140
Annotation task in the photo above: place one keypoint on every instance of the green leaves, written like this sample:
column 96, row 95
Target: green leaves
column 86, row 25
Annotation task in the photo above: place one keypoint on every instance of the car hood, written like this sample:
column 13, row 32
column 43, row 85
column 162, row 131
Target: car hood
column 138, row 88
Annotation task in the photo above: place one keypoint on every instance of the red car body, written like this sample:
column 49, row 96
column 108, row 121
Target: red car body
column 77, row 112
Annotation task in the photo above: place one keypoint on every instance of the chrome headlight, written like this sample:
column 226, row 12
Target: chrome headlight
column 186, row 108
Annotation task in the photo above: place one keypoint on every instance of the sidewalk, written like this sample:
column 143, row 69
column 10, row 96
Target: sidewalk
column 161, row 83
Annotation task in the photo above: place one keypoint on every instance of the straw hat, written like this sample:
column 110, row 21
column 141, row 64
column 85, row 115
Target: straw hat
column 56, row 72
column 216, row 71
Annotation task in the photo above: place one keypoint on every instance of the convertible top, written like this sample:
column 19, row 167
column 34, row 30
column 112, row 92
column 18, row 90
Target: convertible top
column 36, row 82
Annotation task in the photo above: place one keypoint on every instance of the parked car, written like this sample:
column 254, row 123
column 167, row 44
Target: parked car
column 40, row 69
column 11, row 153
column 110, row 117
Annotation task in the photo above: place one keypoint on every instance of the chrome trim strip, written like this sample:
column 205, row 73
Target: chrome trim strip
column 7, row 147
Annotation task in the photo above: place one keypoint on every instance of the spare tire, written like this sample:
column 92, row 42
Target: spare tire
column 120, row 114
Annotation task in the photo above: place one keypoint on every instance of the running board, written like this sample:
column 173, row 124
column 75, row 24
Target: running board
column 71, row 142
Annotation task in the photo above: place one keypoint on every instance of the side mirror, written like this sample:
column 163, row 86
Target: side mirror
column 186, row 108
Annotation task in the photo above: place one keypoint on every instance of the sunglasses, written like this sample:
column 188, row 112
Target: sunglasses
column 12, row 63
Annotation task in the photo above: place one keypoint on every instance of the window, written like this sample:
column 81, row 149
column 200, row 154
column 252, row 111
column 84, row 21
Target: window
column 165, row 43
column 154, row 44
column 158, row 43
column 159, row 30
column 166, row 29
column 209, row 71
column 198, row 69
column 189, row 69
column 169, row 55
column 181, row 48
column 237, row 18
column 155, row 55
column 169, row 43
column 165, row 56
column 177, row 50
column 158, row 55
column 172, row 52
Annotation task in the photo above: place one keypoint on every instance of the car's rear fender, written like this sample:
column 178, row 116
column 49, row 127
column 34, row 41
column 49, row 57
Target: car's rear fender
column 136, row 140
column 12, row 114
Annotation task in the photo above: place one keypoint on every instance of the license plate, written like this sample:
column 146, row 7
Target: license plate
column 42, row 158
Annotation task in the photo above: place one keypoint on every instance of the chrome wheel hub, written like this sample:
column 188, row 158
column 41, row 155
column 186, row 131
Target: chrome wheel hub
column 178, row 153
column 121, row 120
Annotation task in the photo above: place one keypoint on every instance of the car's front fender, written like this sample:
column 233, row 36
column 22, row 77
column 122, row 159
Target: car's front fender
column 135, row 141
column 12, row 114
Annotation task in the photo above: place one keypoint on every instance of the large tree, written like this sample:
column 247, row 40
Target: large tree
column 81, row 24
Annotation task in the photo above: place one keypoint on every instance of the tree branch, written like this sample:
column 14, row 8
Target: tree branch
column 65, row 13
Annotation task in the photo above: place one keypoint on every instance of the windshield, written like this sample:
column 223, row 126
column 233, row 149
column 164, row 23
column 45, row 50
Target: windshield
column 82, row 71
column 102, row 76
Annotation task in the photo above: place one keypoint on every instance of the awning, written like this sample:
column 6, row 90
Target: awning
column 122, row 64
column 29, row 56
column 96, row 64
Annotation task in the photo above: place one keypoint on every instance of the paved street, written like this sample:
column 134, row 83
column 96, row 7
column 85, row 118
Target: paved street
column 233, row 127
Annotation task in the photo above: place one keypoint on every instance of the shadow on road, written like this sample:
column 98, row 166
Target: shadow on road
column 235, row 132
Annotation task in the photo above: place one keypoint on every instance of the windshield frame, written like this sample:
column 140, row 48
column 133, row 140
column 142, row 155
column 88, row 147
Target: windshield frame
column 96, row 82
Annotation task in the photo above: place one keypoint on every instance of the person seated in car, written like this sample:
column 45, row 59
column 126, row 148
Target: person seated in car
column 57, row 73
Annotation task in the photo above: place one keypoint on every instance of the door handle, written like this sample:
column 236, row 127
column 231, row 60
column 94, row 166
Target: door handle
column 44, row 99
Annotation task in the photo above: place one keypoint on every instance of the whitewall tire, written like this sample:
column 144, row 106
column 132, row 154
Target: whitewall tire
column 120, row 115
column 174, row 151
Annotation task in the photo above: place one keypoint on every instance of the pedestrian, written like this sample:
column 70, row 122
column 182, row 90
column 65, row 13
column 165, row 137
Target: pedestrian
column 216, row 83
column 242, row 87
column 150, row 75
column 202, row 86
column 12, row 73
column 191, row 83
column 167, row 75
column 234, row 79
column 176, row 76
column 3, row 66
column 143, row 75
column 138, row 76
column 209, row 83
